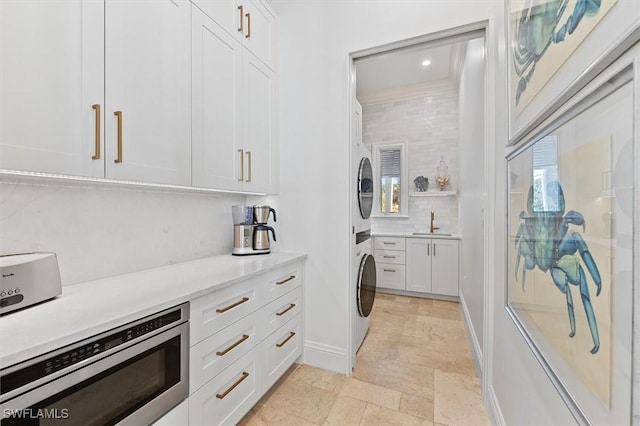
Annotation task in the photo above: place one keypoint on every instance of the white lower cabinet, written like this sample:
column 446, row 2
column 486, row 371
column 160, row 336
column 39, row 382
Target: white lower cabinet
column 243, row 338
column 178, row 416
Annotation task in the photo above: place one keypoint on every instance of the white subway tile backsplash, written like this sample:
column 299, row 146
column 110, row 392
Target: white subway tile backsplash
column 429, row 124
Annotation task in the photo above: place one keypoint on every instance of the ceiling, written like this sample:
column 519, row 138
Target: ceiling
column 402, row 67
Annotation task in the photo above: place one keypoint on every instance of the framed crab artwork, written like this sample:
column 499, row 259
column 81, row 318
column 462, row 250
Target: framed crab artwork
column 555, row 47
column 572, row 245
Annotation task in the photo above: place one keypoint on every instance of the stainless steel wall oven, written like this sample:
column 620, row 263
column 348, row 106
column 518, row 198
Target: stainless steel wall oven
column 129, row 375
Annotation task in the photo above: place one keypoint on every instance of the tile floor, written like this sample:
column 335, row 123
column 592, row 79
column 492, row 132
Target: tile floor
column 414, row 368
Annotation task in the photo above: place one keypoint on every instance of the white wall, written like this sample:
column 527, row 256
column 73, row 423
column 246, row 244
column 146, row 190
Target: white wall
column 99, row 231
column 429, row 125
column 471, row 194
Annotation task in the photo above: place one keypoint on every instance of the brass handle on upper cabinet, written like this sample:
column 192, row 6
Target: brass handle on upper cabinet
column 98, row 115
column 285, row 280
column 224, row 352
column 281, row 344
column 249, row 167
column 119, row 115
column 233, row 386
column 241, row 27
column 241, row 152
column 248, row 15
column 291, row 306
column 239, row 302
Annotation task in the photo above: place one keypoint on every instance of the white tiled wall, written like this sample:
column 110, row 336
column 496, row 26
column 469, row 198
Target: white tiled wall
column 429, row 124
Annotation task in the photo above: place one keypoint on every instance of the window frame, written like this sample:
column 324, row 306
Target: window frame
column 404, row 173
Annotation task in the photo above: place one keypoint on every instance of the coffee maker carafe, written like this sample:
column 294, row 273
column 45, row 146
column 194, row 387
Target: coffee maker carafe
column 250, row 230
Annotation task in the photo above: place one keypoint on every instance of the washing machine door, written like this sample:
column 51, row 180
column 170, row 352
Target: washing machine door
column 365, row 188
column 366, row 293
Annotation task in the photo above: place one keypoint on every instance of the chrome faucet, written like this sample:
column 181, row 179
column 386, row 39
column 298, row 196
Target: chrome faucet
column 432, row 228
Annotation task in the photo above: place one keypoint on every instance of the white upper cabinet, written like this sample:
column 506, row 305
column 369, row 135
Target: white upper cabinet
column 51, row 75
column 68, row 66
column 233, row 95
column 148, row 79
column 216, row 91
column 250, row 22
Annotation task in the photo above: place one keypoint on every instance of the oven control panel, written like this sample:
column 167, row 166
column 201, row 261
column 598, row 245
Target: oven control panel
column 85, row 350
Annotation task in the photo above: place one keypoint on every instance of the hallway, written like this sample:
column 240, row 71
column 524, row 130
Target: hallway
column 414, row 368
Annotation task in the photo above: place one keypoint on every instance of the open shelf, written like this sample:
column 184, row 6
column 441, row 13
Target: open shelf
column 433, row 194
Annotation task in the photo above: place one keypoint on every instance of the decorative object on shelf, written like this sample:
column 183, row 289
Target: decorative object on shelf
column 442, row 174
column 422, row 183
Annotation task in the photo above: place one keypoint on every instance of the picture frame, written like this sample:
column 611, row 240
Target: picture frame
column 564, row 237
column 542, row 77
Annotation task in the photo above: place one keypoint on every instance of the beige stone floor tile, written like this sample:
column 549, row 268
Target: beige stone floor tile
column 449, row 361
column 267, row 416
column 301, row 400
column 371, row 393
column 417, row 406
column 381, row 416
column 458, row 400
column 396, row 375
column 346, row 411
column 319, row 378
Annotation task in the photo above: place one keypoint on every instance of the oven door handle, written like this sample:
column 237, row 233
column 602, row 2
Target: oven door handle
column 55, row 386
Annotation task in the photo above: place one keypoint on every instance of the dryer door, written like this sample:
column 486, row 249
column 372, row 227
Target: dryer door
column 366, row 293
column 365, row 188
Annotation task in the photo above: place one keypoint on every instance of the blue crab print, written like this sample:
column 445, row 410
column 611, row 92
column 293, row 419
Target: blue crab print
column 544, row 240
column 537, row 27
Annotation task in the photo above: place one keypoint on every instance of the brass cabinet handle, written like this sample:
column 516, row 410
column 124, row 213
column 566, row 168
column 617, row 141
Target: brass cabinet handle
column 119, row 115
column 393, row 244
column 241, row 27
column 389, row 257
column 281, row 344
column 241, row 152
column 390, row 270
column 249, row 166
column 233, row 386
column 291, row 306
column 239, row 302
column 285, row 280
column 434, row 249
column 428, row 249
column 224, row 352
column 98, row 117
column 248, row 15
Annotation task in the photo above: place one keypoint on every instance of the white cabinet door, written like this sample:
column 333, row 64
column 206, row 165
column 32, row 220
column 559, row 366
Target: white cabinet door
column 51, row 73
column 418, row 264
column 148, row 79
column 258, row 31
column 258, row 126
column 178, row 416
column 216, row 91
column 444, row 274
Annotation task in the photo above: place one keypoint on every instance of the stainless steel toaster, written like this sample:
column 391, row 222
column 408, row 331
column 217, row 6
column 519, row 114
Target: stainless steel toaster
column 28, row 278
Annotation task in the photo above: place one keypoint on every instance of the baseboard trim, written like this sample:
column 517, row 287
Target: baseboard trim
column 494, row 408
column 472, row 338
column 325, row 356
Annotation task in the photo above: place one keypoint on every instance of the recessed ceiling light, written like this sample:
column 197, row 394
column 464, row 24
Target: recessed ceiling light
column 426, row 63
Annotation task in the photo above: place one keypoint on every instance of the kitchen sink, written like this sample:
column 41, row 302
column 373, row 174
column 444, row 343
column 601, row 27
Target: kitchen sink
column 434, row 233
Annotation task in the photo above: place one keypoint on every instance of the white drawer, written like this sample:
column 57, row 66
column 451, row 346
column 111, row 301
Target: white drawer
column 281, row 310
column 390, row 256
column 209, row 357
column 227, row 398
column 389, row 275
column 283, row 280
column 218, row 310
column 389, row 243
column 281, row 349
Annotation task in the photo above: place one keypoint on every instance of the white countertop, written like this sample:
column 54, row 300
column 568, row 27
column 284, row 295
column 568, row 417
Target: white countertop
column 86, row 309
column 412, row 235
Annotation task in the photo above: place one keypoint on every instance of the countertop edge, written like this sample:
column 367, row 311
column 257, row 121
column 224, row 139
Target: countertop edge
column 411, row 235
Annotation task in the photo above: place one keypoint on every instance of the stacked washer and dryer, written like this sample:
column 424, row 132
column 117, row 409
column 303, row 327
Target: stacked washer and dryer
column 364, row 264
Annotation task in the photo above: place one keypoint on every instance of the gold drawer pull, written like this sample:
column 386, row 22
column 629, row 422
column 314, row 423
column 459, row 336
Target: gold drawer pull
column 291, row 334
column 285, row 280
column 389, row 257
column 390, row 270
column 223, row 353
column 98, row 115
column 291, row 306
column 393, row 244
column 239, row 302
column 233, row 386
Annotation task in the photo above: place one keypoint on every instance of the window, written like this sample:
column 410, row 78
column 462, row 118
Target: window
column 391, row 177
column 545, row 170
